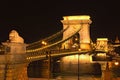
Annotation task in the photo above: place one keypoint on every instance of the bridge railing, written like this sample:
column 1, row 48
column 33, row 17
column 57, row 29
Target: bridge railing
column 54, row 53
column 62, row 50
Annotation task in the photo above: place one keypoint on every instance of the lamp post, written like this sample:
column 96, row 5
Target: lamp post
column 78, row 63
column 49, row 64
column 78, row 66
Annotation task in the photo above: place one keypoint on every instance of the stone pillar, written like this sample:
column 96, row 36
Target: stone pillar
column 2, row 71
column 16, row 72
column 15, row 65
column 45, row 70
column 106, row 72
column 85, row 33
column 47, row 67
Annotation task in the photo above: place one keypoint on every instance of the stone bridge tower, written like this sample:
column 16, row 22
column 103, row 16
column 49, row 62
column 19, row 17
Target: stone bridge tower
column 73, row 22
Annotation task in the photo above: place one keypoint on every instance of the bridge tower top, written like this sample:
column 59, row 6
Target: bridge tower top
column 75, row 22
column 76, row 19
column 83, row 17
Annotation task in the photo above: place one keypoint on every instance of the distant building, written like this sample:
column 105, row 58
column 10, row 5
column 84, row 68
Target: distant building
column 117, row 42
column 102, row 44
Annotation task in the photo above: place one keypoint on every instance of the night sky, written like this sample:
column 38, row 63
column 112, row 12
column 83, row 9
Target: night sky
column 36, row 19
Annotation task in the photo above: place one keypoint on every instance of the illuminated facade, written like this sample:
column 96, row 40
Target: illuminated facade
column 83, row 58
column 102, row 44
column 74, row 22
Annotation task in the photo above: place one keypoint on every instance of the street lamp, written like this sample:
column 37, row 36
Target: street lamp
column 44, row 43
column 48, row 55
column 78, row 63
column 116, row 63
column 78, row 66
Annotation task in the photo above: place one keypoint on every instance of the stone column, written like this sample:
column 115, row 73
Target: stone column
column 16, row 72
column 106, row 72
column 85, row 33
column 15, row 65
column 2, row 71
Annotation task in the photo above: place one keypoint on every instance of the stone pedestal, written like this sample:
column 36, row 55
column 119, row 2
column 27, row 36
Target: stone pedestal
column 16, row 72
column 2, row 71
column 47, row 68
column 106, row 75
column 15, row 65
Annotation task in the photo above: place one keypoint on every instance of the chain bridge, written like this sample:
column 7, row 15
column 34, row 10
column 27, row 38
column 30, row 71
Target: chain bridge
column 15, row 55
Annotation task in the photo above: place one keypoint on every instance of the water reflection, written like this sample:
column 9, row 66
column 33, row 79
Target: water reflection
column 66, row 68
column 70, row 69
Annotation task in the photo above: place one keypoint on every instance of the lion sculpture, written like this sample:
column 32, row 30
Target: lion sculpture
column 14, row 37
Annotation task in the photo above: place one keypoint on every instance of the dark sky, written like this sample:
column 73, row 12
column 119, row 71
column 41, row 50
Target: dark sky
column 36, row 19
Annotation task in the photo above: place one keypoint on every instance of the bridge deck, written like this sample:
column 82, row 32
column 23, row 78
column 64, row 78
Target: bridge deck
column 70, row 78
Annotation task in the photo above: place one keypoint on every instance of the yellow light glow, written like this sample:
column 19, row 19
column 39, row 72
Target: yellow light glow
column 79, row 49
column 44, row 43
column 74, row 59
column 116, row 63
column 102, row 39
column 82, row 56
column 82, row 17
column 76, row 39
column 101, row 54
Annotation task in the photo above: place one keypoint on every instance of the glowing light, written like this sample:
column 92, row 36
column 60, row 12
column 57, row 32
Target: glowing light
column 84, row 58
column 44, row 43
column 116, row 63
column 74, row 59
column 84, row 46
column 82, row 17
column 58, row 61
column 101, row 54
column 76, row 39
column 101, row 39
column 79, row 49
